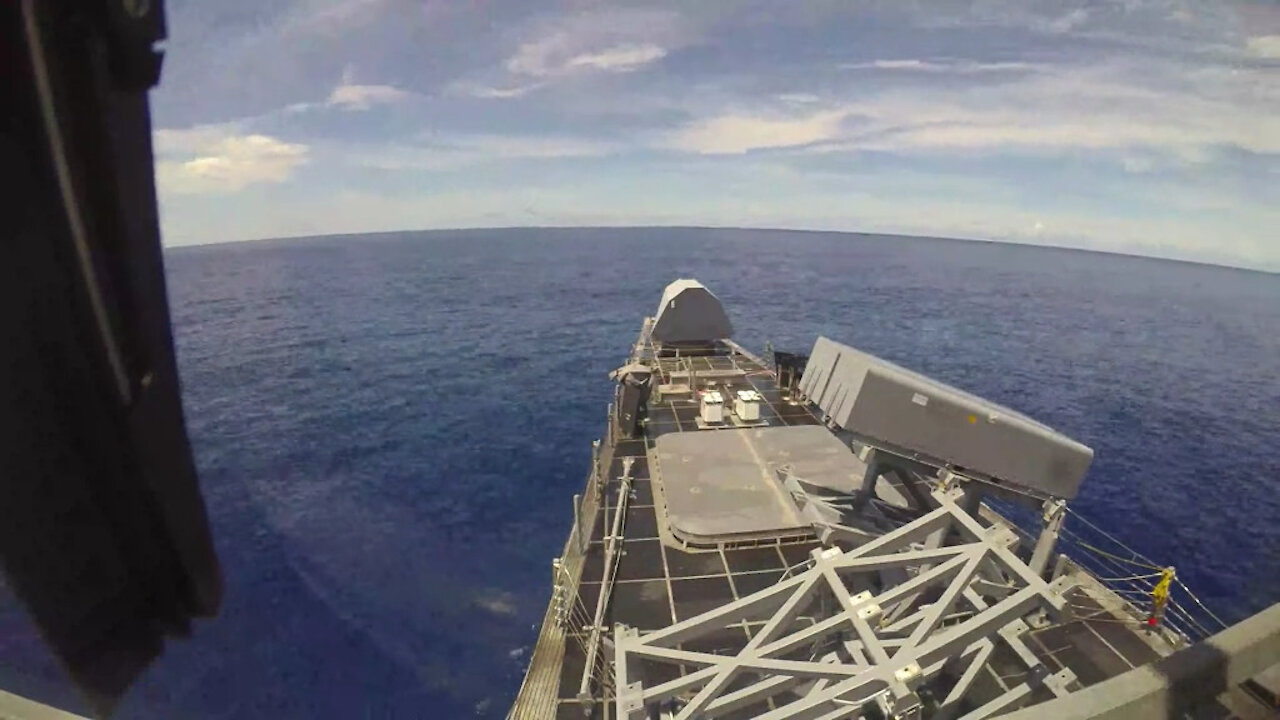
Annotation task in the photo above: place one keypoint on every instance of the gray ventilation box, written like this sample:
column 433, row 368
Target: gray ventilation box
column 690, row 313
column 904, row 410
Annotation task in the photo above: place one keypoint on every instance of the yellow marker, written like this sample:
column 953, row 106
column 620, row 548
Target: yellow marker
column 1160, row 596
column 1160, row 593
column 973, row 419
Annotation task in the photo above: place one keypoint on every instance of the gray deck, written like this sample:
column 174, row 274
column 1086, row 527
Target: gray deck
column 723, row 486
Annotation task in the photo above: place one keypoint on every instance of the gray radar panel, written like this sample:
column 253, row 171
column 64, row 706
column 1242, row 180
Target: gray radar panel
column 902, row 409
column 690, row 313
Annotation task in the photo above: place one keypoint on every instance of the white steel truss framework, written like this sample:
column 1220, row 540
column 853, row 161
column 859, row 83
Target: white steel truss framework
column 906, row 622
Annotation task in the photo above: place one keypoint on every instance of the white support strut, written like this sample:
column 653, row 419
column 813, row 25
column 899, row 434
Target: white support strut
column 825, row 640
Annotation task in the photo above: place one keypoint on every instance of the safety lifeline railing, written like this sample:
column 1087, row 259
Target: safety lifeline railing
column 1153, row 589
column 566, row 616
column 597, row 664
column 1179, row 684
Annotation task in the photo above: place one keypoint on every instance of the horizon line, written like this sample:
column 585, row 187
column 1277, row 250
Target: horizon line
column 948, row 238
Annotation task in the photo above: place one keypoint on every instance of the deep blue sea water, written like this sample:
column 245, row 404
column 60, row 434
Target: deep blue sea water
column 389, row 429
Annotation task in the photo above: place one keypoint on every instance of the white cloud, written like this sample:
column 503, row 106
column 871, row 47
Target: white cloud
column 1110, row 105
column 218, row 159
column 494, row 93
column 1264, row 46
column 735, row 134
column 350, row 95
column 892, row 65
column 623, row 58
column 941, row 66
column 454, row 152
column 1044, row 16
column 536, row 58
column 604, row 40
column 363, row 97
column 549, row 56
column 1116, row 105
column 558, row 48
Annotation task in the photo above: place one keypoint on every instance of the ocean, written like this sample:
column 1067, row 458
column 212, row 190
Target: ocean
column 389, row 429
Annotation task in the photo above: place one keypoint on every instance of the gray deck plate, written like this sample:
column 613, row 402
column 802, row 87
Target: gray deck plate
column 723, row 485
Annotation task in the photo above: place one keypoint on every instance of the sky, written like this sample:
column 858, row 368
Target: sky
column 1148, row 127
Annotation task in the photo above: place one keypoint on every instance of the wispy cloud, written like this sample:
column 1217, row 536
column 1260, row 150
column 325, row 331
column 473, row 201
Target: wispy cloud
column 738, row 133
column 623, row 58
column 219, row 159
column 496, row 93
column 941, row 66
column 546, row 57
column 1104, row 106
column 460, row 151
column 602, row 40
column 363, row 97
column 349, row 95
column 1264, row 46
column 1045, row 17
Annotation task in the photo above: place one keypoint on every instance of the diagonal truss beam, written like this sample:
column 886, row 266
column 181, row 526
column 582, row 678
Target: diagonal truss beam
column 931, row 617
column 782, row 619
column 751, row 662
column 764, row 601
column 875, row 653
column 933, row 650
column 951, row 703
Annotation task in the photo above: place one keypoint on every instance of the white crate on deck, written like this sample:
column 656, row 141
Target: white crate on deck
column 747, row 405
column 711, row 408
